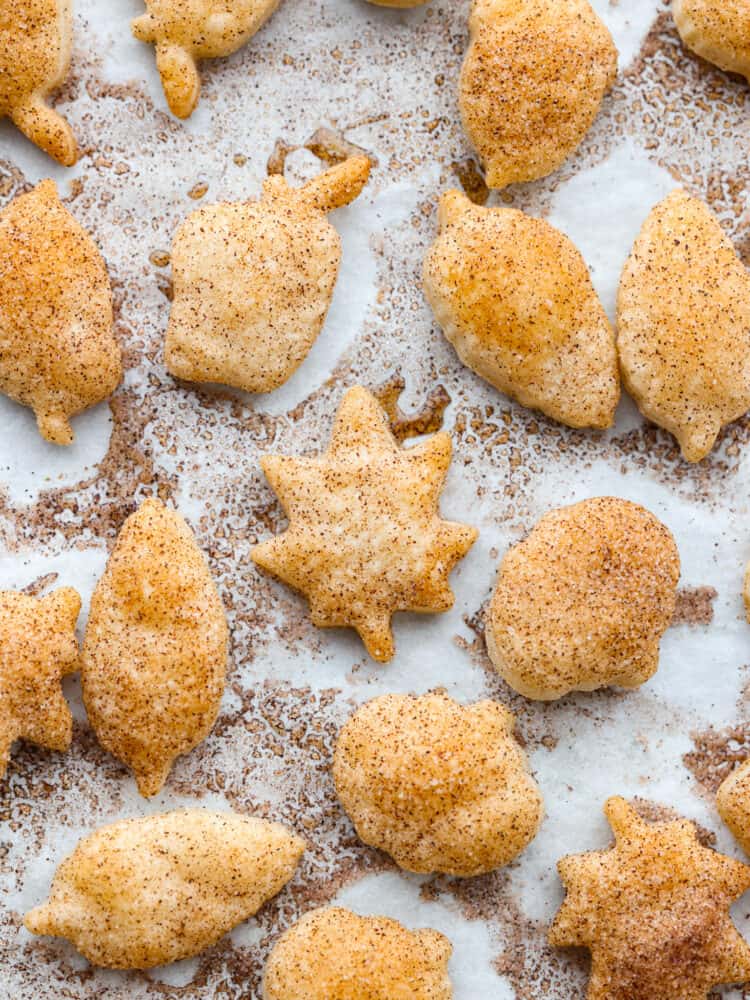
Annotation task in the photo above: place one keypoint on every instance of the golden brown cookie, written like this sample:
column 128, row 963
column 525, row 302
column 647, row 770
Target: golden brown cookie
column 532, row 83
column 583, row 601
column 333, row 954
column 144, row 892
column 36, row 39
column 514, row 297
column 38, row 647
column 186, row 31
column 365, row 538
column 439, row 787
column 253, row 281
column 654, row 912
column 733, row 802
column 58, row 353
column 154, row 656
column 683, row 324
column 717, row 30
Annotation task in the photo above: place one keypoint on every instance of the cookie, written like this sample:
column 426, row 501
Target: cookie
column 717, row 30
column 38, row 647
column 439, row 787
column 253, row 281
column 514, row 297
column 583, row 601
column 186, row 31
column 144, row 892
column 365, row 537
column 333, row 954
column 154, row 655
column 58, row 353
column 733, row 803
column 683, row 324
column 532, row 83
column 654, row 912
column 36, row 39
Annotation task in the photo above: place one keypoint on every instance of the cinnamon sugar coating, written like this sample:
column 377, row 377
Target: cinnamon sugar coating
column 717, row 30
column 733, row 803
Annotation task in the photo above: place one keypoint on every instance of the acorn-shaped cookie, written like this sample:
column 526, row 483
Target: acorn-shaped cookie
column 58, row 353
column 514, row 297
column 717, row 30
column 186, row 31
column 532, row 83
column 253, row 281
column 36, row 38
column 154, row 655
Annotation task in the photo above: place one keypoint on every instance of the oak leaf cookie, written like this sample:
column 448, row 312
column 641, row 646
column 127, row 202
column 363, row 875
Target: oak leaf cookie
column 532, row 83
column 154, row 655
column 717, row 30
column 253, row 281
column 654, row 912
column 58, row 353
column 440, row 787
column 144, row 892
column 733, row 802
column 38, row 647
column 583, row 601
column 36, row 39
column 333, row 954
column 186, row 31
column 365, row 538
column 514, row 297
column 683, row 324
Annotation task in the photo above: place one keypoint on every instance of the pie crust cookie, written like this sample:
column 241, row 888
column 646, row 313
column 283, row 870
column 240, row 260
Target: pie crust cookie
column 253, row 281
column 532, row 83
column 733, row 802
column 439, row 787
column 58, row 353
column 36, row 39
column 365, row 537
column 329, row 950
column 514, row 297
column 154, row 656
column 683, row 318
column 584, row 600
column 143, row 892
column 186, row 31
column 717, row 30
column 654, row 912
column 38, row 647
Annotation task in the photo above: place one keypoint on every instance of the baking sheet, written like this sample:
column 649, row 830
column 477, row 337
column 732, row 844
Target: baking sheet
column 386, row 80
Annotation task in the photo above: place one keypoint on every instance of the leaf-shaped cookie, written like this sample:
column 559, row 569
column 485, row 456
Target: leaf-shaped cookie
column 253, row 281
column 154, row 655
column 36, row 38
column 532, row 83
column 144, row 892
column 58, row 353
column 717, row 30
column 514, row 297
column 185, row 31
column 683, row 324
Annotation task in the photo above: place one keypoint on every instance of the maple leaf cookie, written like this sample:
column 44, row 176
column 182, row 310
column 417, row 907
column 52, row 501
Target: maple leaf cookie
column 36, row 38
column 186, row 31
column 733, row 802
column 143, row 892
column 58, row 353
column 253, row 281
column 365, row 538
column 654, row 912
column 716, row 30
column 38, row 647
column 154, row 655
column 440, row 787
column 683, row 324
column 583, row 601
column 331, row 953
column 514, row 297
column 532, row 83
